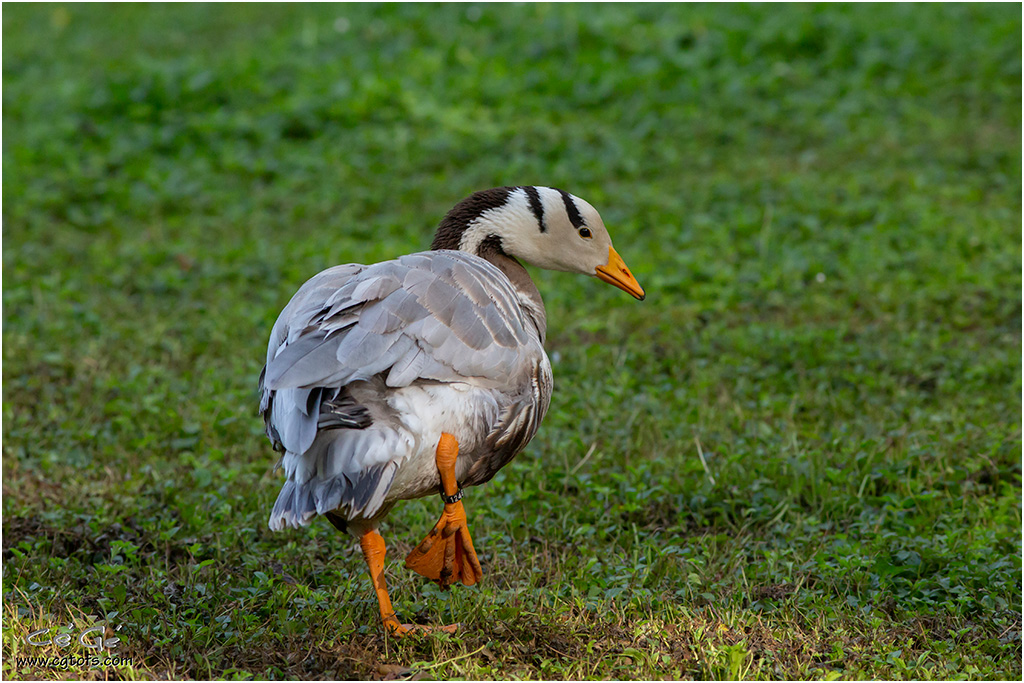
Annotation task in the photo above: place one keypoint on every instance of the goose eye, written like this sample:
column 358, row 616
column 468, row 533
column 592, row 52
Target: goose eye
column 585, row 233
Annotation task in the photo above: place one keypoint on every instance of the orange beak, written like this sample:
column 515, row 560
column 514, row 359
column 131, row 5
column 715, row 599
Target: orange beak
column 616, row 273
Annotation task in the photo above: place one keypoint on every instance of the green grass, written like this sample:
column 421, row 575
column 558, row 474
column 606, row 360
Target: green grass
column 799, row 458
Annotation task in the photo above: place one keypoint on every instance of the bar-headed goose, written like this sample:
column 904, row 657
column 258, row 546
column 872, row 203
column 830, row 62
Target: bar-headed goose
column 424, row 374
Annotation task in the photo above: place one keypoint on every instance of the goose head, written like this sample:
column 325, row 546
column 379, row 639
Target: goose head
column 543, row 226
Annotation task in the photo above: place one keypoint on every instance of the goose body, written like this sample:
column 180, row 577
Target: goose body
column 375, row 372
column 368, row 365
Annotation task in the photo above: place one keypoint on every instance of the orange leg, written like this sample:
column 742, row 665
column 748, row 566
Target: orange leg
column 446, row 555
column 374, row 551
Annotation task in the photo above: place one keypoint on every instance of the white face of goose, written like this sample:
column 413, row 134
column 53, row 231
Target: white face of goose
column 552, row 229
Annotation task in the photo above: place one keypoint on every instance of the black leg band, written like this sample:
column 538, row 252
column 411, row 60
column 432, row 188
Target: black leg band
column 452, row 499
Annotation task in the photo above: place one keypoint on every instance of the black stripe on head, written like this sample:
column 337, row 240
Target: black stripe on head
column 454, row 224
column 570, row 208
column 536, row 206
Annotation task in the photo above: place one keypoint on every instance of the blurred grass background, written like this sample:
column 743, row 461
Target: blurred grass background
column 799, row 458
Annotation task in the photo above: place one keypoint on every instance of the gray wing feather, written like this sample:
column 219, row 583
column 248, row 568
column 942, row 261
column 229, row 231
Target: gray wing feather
column 425, row 309
column 467, row 326
column 444, row 316
column 518, row 424
column 296, row 428
column 471, row 284
column 406, row 370
column 334, row 474
column 498, row 328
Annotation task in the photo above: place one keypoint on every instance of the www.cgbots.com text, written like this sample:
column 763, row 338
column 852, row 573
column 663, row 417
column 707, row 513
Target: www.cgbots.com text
column 73, row 662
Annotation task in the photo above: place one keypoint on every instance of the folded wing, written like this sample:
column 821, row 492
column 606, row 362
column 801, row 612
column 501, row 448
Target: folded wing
column 443, row 316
